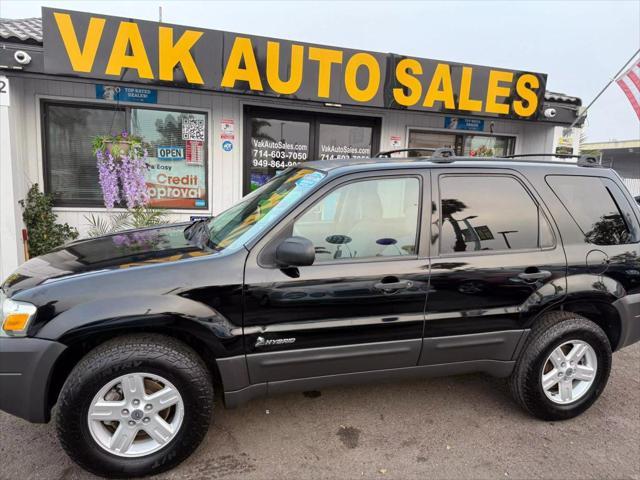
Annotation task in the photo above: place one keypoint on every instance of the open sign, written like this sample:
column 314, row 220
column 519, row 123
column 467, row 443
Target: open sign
column 170, row 153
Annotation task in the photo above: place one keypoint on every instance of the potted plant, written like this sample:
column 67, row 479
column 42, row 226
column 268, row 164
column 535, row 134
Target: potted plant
column 118, row 145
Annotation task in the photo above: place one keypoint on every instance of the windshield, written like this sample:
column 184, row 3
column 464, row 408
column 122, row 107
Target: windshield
column 259, row 209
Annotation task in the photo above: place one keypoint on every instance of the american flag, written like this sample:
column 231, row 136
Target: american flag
column 629, row 82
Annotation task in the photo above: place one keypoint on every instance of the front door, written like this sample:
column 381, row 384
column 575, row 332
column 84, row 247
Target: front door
column 360, row 306
column 496, row 262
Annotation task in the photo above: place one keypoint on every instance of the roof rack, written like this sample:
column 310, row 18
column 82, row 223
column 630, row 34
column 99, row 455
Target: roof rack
column 448, row 155
column 583, row 160
column 435, row 153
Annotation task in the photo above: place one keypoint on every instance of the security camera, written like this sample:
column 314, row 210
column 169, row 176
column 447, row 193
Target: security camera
column 22, row 57
column 550, row 112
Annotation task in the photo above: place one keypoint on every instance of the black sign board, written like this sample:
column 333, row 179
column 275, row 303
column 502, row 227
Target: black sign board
column 118, row 49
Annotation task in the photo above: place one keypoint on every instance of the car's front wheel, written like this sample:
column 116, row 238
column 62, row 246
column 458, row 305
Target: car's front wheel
column 135, row 405
column 564, row 367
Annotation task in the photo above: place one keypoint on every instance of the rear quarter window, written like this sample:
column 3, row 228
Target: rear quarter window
column 597, row 206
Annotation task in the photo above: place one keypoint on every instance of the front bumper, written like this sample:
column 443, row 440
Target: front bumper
column 629, row 310
column 25, row 370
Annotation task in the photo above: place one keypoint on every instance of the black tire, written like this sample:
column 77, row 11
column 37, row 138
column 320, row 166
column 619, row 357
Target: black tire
column 551, row 331
column 147, row 353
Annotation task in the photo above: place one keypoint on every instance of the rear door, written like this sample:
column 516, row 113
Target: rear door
column 497, row 260
column 360, row 306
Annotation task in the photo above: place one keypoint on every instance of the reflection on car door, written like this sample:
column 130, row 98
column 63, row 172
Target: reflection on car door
column 496, row 261
column 360, row 306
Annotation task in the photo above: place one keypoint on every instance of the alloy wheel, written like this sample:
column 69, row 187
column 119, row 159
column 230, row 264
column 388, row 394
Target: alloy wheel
column 569, row 372
column 135, row 414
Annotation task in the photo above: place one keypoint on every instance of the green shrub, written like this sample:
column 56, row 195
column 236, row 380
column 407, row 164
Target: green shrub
column 38, row 216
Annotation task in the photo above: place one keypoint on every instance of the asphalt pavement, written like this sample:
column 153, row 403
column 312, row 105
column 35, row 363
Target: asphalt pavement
column 456, row 427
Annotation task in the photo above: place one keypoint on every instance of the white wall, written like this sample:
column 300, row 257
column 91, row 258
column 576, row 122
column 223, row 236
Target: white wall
column 225, row 174
column 10, row 220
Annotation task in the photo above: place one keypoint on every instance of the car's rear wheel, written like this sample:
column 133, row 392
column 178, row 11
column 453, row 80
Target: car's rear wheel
column 135, row 405
column 563, row 368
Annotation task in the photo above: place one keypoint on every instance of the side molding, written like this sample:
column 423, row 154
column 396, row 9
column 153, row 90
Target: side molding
column 495, row 368
column 476, row 346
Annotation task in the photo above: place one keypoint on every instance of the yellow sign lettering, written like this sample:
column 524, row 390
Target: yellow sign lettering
column 524, row 88
column 351, row 73
column 172, row 54
column 465, row 102
column 325, row 58
column 440, row 88
column 129, row 36
column 273, row 69
column 495, row 90
column 406, row 68
column 242, row 50
column 81, row 59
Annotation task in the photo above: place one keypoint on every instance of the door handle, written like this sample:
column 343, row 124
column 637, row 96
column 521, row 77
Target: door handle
column 391, row 286
column 539, row 275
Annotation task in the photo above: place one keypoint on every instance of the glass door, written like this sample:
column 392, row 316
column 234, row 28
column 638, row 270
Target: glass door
column 278, row 139
column 344, row 141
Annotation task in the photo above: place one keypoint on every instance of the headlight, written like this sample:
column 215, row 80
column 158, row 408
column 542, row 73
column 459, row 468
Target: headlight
column 15, row 317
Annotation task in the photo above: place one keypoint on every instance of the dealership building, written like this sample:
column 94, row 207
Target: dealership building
column 223, row 112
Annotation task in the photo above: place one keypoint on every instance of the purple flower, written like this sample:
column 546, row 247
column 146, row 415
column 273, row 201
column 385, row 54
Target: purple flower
column 123, row 179
column 108, row 178
column 124, row 134
column 132, row 179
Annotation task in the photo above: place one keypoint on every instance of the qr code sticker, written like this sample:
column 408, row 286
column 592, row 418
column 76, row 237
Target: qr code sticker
column 192, row 129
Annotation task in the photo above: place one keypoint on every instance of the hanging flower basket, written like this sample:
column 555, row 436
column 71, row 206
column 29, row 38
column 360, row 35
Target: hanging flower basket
column 122, row 164
column 118, row 145
column 117, row 148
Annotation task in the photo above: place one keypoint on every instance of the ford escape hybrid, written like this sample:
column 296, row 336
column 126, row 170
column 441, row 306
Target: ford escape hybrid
column 333, row 272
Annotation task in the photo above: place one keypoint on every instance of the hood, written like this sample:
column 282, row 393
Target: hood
column 128, row 249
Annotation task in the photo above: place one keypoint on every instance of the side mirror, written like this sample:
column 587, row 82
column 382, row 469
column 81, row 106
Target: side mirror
column 295, row 252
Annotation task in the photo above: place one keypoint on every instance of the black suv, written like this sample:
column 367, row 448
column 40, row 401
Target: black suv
column 333, row 272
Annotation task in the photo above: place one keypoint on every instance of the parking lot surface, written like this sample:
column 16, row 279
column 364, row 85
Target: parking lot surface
column 456, row 427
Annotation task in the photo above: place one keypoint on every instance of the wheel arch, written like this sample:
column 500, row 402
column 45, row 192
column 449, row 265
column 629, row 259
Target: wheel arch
column 596, row 308
column 79, row 344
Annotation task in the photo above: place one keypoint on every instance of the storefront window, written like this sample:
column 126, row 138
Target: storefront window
column 71, row 174
column 176, row 175
column 418, row 139
column 463, row 143
column 177, row 161
column 487, row 146
column 276, row 145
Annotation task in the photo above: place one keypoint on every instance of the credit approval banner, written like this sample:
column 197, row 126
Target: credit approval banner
column 113, row 48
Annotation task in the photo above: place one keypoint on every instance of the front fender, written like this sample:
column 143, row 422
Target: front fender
column 166, row 312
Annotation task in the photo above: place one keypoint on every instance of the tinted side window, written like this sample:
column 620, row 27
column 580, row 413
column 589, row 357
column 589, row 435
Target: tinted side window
column 591, row 201
column 489, row 213
column 369, row 218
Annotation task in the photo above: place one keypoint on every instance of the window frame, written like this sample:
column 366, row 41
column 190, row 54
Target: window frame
column 269, row 242
column 437, row 217
column 126, row 108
